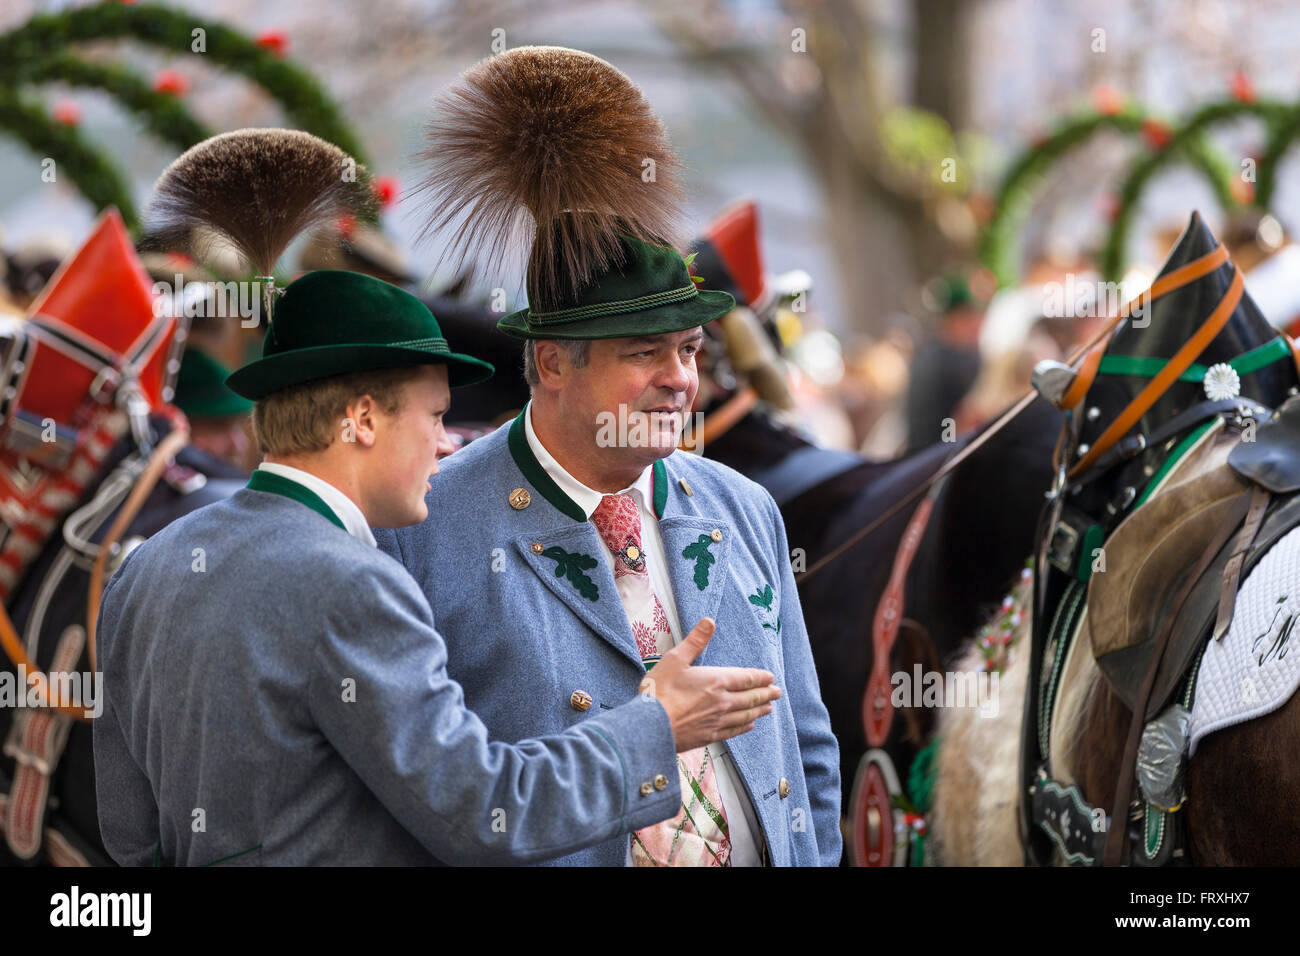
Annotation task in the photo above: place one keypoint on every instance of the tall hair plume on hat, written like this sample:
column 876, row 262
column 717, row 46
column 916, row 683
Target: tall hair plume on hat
column 547, row 146
column 256, row 189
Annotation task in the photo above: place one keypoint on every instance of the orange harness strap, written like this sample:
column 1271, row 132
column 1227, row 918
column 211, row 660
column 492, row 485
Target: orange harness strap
column 1162, row 286
column 1175, row 367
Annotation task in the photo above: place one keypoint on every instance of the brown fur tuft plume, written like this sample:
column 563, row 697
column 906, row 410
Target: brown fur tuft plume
column 256, row 189
column 546, row 145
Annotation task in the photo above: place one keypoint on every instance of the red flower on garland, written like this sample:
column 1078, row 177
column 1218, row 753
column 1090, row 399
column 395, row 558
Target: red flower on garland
column 386, row 190
column 1108, row 100
column 346, row 226
column 277, row 41
column 173, row 82
column 67, row 112
column 1242, row 88
column 1156, row 132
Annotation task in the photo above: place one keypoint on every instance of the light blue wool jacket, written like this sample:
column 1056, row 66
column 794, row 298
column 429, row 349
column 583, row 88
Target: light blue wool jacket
column 507, row 586
column 275, row 693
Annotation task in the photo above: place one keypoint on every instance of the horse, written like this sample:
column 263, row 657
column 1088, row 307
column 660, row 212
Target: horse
column 981, row 524
column 93, row 460
column 1105, row 661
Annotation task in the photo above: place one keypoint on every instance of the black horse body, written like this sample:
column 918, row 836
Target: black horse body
column 981, row 529
column 60, row 602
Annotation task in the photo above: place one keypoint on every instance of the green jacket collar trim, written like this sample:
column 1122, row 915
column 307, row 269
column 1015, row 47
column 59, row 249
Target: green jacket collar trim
column 279, row 485
column 532, row 470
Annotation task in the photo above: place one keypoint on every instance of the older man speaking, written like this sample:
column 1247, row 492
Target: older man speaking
column 586, row 541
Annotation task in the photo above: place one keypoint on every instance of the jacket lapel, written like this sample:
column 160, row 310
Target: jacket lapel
column 698, row 550
column 571, row 564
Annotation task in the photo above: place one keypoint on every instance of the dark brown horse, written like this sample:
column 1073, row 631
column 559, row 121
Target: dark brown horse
column 1240, row 783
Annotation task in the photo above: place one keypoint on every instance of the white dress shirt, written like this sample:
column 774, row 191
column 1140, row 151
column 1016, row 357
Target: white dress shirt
column 339, row 503
column 746, row 836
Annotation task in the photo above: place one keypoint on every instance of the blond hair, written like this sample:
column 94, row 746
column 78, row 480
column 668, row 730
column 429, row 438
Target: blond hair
column 307, row 418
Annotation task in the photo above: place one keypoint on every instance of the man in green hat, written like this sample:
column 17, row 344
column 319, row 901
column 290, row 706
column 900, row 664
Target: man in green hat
column 275, row 690
column 218, row 417
column 587, row 540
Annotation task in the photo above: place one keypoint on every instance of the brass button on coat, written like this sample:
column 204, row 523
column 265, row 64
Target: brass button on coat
column 661, row 782
column 537, row 547
column 580, row 700
column 716, row 534
column 520, row 499
column 783, row 788
column 647, row 789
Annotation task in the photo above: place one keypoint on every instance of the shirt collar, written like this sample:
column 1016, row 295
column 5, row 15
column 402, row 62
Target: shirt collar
column 585, row 498
column 343, row 506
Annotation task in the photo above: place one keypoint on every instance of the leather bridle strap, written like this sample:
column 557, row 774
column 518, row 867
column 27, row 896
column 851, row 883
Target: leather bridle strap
column 723, row 418
column 163, row 453
column 1155, row 388
column 1162, row 286
column 9, row 640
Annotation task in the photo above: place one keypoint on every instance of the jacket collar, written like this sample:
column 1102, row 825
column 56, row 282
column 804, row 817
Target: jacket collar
column 521, row 449
column 316, row 493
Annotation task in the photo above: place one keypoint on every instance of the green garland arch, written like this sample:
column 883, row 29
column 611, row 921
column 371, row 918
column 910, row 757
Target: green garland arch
column 1284, row 132
column 1186, row 143
column 163, row 115
column 303, row 99
column 996, row 242
column 96, row 176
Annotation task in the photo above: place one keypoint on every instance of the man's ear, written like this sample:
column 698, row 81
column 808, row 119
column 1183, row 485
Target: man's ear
column 552, row 363
column 360, row 421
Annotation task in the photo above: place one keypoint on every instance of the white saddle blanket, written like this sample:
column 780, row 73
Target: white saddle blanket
column 1256, row 667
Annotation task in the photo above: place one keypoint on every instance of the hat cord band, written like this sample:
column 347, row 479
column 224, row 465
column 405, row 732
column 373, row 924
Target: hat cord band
column 611, row 308
column 434, row 344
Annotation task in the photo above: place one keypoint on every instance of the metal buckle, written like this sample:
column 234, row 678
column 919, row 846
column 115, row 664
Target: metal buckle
column 14, row 747
column 109, row 376
column 1061, row 549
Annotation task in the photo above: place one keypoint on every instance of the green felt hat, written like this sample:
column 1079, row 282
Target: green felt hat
column 201, row 388
column 330, row 322
column 650, row 292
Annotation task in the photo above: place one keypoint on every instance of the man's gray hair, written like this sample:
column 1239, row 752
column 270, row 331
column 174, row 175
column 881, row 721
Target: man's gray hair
column 578, row 349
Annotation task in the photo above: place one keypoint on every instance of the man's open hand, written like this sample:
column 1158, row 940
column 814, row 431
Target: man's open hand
column 706, row 704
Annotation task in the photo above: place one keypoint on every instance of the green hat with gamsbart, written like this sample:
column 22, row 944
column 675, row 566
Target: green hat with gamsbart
column 201, row 390
column 258, row 189
column 650, row 292
column 563, row 140
column 331, row 322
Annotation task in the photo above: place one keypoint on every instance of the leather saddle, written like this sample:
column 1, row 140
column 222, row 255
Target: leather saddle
column 1152, row 552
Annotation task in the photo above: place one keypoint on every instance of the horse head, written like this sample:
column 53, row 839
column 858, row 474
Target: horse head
column 1195, row 338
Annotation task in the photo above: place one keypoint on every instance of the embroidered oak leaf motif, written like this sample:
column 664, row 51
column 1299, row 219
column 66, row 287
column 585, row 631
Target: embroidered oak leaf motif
column 571, row 566
column 763, row 598
column 700, row 554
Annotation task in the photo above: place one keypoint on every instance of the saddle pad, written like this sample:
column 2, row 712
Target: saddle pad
column 1256, row 667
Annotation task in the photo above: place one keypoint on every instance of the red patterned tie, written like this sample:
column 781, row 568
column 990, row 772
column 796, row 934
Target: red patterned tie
column 697, row 836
